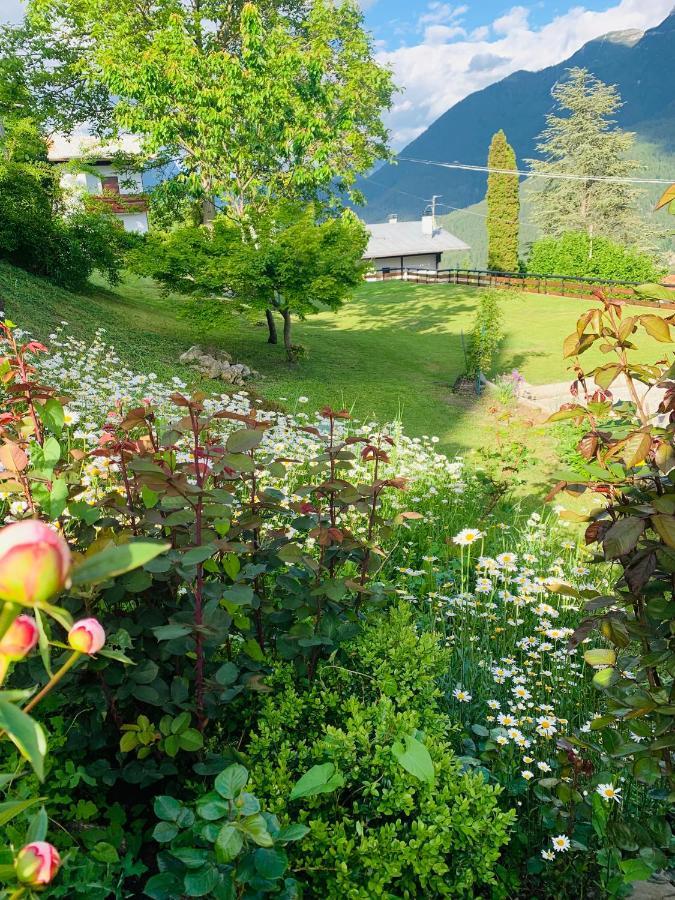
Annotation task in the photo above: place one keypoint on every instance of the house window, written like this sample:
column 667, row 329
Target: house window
column 110, row 184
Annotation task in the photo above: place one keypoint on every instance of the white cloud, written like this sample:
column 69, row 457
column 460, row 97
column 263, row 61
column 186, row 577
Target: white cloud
column 441, row 14
column 11, row 11
column 440, row 71
column 440, row 34
column 515, row 18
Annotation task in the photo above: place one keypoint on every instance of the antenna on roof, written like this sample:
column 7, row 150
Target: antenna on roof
column 431, row 207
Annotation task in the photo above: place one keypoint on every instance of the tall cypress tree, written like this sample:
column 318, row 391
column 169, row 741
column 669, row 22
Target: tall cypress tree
column 503, row 207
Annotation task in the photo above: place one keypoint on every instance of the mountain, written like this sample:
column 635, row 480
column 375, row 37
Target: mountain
column 639, row 64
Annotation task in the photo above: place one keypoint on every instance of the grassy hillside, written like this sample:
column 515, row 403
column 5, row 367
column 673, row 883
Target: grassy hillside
column 395, row 350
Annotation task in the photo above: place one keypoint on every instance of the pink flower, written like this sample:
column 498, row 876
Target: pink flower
column 34, row 562
column 37, row 863
column 87, row 636
column 19, row 639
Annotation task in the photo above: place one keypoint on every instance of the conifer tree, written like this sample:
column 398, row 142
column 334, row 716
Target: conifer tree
column 581, row 138
column 503, row 207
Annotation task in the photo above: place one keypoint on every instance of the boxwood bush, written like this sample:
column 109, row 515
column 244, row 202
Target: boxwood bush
column 386, row 826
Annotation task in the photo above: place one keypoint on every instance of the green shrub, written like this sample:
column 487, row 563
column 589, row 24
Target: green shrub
column 487, row 334
column 574, row 254
column 380, row 830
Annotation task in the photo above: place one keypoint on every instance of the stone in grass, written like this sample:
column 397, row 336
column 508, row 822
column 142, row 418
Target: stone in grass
column 214, row 363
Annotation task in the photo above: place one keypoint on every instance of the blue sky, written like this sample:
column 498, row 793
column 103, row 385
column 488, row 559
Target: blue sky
column 396, row 21
column 442, row 50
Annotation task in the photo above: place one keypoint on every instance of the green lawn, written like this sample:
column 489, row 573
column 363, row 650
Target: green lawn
column 396, row 350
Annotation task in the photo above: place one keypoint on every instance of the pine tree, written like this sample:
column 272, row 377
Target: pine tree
column 503, row 207
column 581, row 138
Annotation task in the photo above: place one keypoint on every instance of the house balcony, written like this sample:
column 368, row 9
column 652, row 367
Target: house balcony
column 122, row 204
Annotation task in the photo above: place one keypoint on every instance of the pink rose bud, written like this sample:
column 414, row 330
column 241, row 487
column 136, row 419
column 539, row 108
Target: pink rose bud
column 37, row 863
column 34, row 562
column 19, row 639
column 87, row 636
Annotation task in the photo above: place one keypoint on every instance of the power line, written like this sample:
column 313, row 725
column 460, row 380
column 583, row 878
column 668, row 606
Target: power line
column 461, row 209
column 607, row 179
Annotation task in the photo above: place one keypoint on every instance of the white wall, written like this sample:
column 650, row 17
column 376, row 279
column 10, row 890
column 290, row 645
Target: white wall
column 419, row 261
column 137, row 221
column 130, row 182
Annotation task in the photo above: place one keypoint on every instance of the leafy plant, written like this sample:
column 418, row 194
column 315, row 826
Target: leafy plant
column 222, row 846
column 629, row 462
column 487, row 334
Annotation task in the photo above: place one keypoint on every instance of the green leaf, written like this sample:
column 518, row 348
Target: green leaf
column 605, row 678
column 270, row 863
column 635, row 870
column 201, row 883
column 191, row 740
column 37, row 827
column 165, row 886
column 117, row 560
column 51, row 452
column 322, row 779
column 51, row 415
column 657, row 328
column 243, row 440
column 415, row 758
column 600, row 657
column 252, row 648
column 664, row 526
column 231, row 782
column 11, row 808
column 167, row 808
column 164, row 832
column 149, row 497
column 295, row 832
column 228, row 843
column 196, row 555
column 256, row 828
column 105, row 853
column 26, row 734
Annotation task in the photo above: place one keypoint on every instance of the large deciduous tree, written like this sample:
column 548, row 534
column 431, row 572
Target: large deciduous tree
column 503, row 207
column 299, row 263
column 581, row 138
column 252, row 103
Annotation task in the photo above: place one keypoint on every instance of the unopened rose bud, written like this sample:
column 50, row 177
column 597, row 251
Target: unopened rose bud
column 37, row 863
column 19, row 639
column 87, row 636
column 34, row 562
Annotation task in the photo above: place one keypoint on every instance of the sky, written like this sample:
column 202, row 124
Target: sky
column 442, row 51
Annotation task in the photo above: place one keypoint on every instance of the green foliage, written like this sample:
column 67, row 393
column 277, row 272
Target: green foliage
column 581, row 138
column 629, row 460
column 223, row 847
column 258, row 107
column 389, row 810
column 503, row 207
column 487, row 333
column 36, row 232
column 287, row 260
column 577, row 253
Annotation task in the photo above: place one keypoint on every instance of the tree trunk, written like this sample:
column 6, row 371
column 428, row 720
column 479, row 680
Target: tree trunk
column 272, row 327
column 286, row 315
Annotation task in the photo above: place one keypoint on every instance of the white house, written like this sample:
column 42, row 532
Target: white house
column 409, row 245
column 121, row 191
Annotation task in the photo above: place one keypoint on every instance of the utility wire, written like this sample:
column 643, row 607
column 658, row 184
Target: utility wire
column 461, row 209
column 608, row 179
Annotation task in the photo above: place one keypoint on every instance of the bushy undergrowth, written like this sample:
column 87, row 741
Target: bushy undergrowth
column 342, row 672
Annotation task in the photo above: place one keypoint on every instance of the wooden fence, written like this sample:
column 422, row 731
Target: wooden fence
column 560, row 285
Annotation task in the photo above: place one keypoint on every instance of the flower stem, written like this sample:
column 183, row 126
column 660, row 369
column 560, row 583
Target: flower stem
column 56, row 677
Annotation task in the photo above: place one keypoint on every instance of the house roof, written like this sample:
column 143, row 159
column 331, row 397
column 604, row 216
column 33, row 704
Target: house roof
column 64, row 147
column 408, row 239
